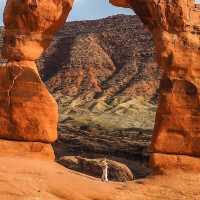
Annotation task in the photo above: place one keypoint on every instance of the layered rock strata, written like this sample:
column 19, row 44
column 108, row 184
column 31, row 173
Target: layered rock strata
column 27, row 111
column 175, row 27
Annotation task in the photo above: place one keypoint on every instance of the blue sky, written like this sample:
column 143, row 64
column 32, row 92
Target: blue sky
column 87, row 9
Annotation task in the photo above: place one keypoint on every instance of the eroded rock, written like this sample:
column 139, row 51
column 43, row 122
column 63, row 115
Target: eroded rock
column 27, row 111
column 175, row 27
column 30, row 26
column 33, row 150
column 93, row 167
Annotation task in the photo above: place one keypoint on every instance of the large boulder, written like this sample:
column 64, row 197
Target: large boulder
column 116, row 171
column 27, row 111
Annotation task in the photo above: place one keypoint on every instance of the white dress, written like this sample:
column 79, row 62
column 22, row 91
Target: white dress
column 104, row 177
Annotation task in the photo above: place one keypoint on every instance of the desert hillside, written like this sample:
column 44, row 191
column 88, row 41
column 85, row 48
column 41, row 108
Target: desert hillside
column 102, row 72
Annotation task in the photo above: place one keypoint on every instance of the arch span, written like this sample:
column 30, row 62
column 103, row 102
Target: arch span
column 174, row 24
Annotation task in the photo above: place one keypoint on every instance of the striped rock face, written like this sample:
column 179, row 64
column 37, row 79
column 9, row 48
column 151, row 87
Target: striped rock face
column 175, row 27
column 27, row 111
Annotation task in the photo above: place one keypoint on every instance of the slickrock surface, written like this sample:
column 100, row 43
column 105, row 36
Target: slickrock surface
column 38, row 180
column 33, row 150
column 175, row 28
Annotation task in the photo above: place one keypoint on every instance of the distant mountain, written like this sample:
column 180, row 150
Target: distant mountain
column 105, row 58
column 102, row 72
column 103, row 68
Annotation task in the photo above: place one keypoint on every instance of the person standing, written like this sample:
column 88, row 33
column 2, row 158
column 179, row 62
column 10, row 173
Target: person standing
column 104, row 176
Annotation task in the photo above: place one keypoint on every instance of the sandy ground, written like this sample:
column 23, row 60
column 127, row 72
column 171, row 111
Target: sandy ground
column 26, row 179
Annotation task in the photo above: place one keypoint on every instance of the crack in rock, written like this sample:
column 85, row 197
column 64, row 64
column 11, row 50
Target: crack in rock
column 13, row 83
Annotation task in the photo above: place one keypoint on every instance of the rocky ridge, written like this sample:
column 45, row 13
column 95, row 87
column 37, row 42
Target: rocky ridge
column 100, row 68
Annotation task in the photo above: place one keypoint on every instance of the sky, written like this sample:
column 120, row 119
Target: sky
column 86, row 10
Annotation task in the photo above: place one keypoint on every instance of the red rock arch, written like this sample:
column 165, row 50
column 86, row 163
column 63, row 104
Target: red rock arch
column 175, row 27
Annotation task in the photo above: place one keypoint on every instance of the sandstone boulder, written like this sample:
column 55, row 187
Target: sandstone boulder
column 27, row 111
column 30, row 26
column 117, row 171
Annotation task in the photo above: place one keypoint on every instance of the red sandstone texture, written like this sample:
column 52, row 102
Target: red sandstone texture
column 33, row 150
column 23, row 178
column 175, row 27
column 27, row 111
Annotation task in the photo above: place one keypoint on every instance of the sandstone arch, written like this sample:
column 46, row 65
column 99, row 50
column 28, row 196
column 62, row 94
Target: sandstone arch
column 175, row 27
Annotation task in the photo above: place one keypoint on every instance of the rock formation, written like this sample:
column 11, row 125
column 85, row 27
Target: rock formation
column 39, row 179
column 175, row 27
column 116, row 61
column 93, row 167
column 27, row 111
